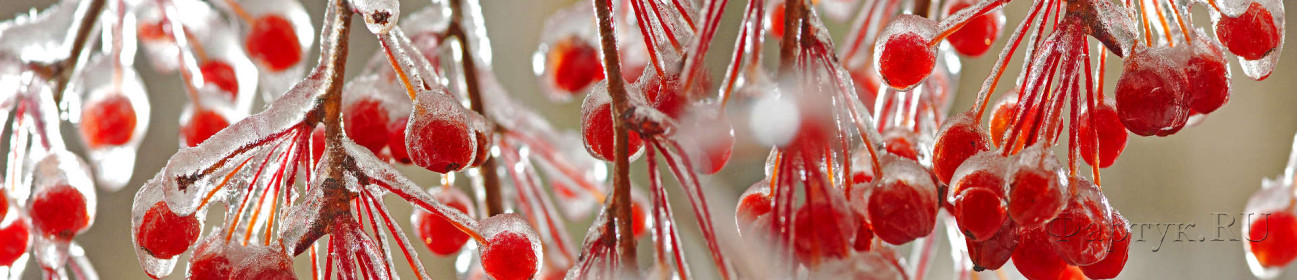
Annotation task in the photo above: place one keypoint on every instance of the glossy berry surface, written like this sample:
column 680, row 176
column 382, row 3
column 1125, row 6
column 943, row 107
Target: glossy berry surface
column 901, row 142
column 109, row 121
column 1151, row 99
column 1080, row 234
column 221, row 75
column 438, row 137
column 164, row 234
column 903, row 204
column 576, row 64
column 202, row 125
column 366, row 122
column 209, row 261
column 959, row 138
column 509, row 256
column 979, row 205
column 905, row 60
column 1035, row 258
column 59, row 212
column 1115, row 261
column 442, row 237
column 1036, row 187
column 1111, row 133
column 13, row 241
column 996, row 250
column 1001, row 123
column 597, row 129
column 975, row 38
column 1251, row 35
column 273, row 42
column 1273, row 238
column 753, row 204
column 1209, row 73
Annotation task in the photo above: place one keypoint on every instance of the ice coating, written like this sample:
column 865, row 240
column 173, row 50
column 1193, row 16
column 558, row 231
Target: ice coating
column 1109, row 22
column 144, row 199
column 61, row 169
column 380, row 15
column 599, row 258
column 1258, row 69
column 113, row 164
column 510, row 223
column 383, row 174
column 43, row 36
column 436, row 111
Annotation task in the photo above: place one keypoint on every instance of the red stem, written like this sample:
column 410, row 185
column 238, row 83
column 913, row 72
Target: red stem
column 1002, row 63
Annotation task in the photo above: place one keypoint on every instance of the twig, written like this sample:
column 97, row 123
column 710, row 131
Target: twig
column 61, row 71
column 490, row 179
column 620, row 202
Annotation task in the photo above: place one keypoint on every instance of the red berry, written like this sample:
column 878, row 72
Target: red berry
column 1034, row 257
column 902, row 55
column 510, row 256
column 59, row 212
column 1151, row 96
column 396, row 140
column 775, row 20
column 710, row 138
column 442, row 237
column 273, row 42
column 959, row 138
column 164, row 234
column 1251, row 35
column 823, row 231
column 1209, row 72
column 597, row 127
column 575, row 64
column 900, row 142
column 902, row 205
column 978, row 202
column 978, row 33
column 109, row 121
column 993, row 252
column 202, row 124
column 639, row 218
column 13, row 241
column 1080, row 233
column 1112, row 264
column 317, row 143
column 365, row 122
column 440, row 139
column 1002, row 119
column 1272, row 239
column 1036, row 187
column 1112, row 135
column 483, row 147
column 864, row 234
column 753, row 204
column 209, row 260
column 221, row 74
column 665, row 94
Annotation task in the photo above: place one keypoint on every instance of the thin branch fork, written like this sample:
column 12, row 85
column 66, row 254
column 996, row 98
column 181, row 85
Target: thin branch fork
column 60, row 72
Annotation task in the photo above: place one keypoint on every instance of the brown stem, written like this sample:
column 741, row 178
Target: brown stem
column 61, row 72
column 490, row 179
column 921, row 7
column 788, row 44
column 620, row 202
column 333, row 58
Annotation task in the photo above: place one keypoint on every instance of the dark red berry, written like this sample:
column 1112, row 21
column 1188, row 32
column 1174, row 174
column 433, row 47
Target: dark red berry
column 1112, row 135
column 1035, row 258
column 1112, row 264
column 903, row 56
column 509, row 256
column 993, row 252
column 396, row 140
column 822, row 231
column 1252, row 35
column 902, row 205
column 978, row 201
column 13, row 241
column 1036, row 187
column 1209, row 75
column 441, row 236
column 365, row 121
column 1151, row 96
column 440, row 138
column 1080, row 233
column 597, row 127
column 960, row 137
column 575, row 64
column 59, row 212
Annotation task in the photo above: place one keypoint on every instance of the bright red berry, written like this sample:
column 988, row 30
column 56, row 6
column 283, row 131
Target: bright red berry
column 13, row 241
column 365, row 121
column 440, row 139
column 993, row 252
column 864, row 240
column 1272, row 239
column 597, row 127
column 442, row 237
column 1035, row 258
column 1251, row 35
column 510, row 256
column 665, row 94
column 273, row 42
column 210, row 260
column 1112, row 264
column 902, row 55
column 1002, row 120
column 59, row 212
column 960, row 137
column 978, row 201
column 639, row 218
column 575, row 63
column 164, row 234
column 753, row 204
column 901, row 142
column 1209, row 73
column 1111, row 133
column 202, row 124
column 775, row 20
column 109, row 121
column 1036, row 187
column 978, row 33
column 1151, row 96
column 902, row 205
column 221, row 75
column 1080, row 233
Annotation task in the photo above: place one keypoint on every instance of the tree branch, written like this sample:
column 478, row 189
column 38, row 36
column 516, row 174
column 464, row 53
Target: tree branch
column 490, row 179
column 61, row 71
column 620, row 202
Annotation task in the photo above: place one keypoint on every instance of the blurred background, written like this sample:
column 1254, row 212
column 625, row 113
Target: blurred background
column 1184, row 180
